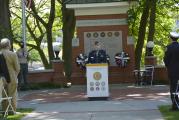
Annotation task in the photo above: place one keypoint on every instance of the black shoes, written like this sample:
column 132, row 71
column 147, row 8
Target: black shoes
column 174, row 109
column 23, row 88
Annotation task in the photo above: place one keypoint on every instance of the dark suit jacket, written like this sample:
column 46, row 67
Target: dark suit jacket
column 171, row 60
column 97, row 56
column 3, row 68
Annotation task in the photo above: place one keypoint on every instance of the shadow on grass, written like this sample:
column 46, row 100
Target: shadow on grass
column 168, row 114
column 21, row 112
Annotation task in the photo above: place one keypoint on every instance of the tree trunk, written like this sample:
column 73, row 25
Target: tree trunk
column 37, row 47
column 152, row 21
column 5, row 23
column 141, row 35
column 41, row 53
column 49, row 31
column 68, row 33
column 50, row 46
column 43, row 58
column 48, row 27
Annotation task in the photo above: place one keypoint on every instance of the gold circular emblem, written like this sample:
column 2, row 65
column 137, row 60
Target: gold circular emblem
column 97, row 75
column 88, row 35
column 109, row 34
column 95, row 34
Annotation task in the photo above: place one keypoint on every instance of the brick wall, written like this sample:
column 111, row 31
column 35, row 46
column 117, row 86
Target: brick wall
column 54, row 75
column 116, row 75
column 160, row 74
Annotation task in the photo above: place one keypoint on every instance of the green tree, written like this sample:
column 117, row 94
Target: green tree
column 47, row 25
column 5, row 23
column 68, row 33
column 153, row 4
column 40, row 27
column 154, row 20
column 141, row 35
column 33, row 57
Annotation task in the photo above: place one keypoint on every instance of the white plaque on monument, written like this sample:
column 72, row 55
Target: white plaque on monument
column 75, row 42
column 130, row 40
column 111, row 42
column 97, row 80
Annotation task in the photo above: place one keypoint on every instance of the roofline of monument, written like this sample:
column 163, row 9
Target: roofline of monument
column 91, row 5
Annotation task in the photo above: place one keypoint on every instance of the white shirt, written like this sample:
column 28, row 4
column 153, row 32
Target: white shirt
column 22, row 55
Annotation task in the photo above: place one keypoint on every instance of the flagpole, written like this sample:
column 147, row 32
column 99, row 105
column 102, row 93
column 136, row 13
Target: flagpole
column 23, row 23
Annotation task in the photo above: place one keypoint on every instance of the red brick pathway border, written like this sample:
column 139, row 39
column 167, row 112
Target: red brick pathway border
column 124, row 93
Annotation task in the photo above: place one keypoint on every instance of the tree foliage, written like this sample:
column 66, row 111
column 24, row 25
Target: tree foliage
column 44, row 21
column 156, row 19
column 43, row 25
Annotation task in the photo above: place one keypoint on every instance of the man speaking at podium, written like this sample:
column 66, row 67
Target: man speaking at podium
column 97, row 73
column 98, row 55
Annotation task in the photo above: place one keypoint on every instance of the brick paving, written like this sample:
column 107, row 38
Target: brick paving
column 79, row 94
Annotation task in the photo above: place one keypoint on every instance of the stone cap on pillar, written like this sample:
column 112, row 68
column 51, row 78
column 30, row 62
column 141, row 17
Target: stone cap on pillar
column 54, row 61
column 151, row 60
column 57, row 65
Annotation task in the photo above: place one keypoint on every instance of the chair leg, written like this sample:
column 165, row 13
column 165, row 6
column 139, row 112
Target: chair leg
column 9, row 106
column 6, row 112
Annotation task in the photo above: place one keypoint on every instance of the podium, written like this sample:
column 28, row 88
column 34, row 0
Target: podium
column 97, row 81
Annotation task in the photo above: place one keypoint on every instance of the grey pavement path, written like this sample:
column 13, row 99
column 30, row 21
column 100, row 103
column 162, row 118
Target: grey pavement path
column 96, row 110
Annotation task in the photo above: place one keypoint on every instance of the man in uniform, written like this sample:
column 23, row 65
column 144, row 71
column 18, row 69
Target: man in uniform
column 98, row 55
column 171, row 60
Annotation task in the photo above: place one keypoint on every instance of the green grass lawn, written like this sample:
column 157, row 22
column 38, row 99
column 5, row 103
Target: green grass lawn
column 21, row 112
column 167, row 114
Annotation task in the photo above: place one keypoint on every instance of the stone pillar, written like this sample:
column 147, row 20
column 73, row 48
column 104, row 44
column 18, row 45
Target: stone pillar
column 151, row 60
column 58, row 77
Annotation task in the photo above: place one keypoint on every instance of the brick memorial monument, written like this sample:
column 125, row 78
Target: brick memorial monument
column 105, row 22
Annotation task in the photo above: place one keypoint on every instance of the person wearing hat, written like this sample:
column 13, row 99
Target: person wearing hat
column 22, row 54
column 13, row 67
column 171, row 60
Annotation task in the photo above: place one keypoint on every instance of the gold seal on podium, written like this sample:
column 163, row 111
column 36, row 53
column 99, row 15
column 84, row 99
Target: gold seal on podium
column 97, row 75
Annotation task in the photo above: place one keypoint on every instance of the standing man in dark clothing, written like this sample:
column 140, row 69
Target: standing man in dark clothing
column 22, row 54
column 3, row 69
column 98, row 55
column 171, row 60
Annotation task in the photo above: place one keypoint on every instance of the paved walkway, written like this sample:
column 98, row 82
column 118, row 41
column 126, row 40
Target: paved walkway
column 126, row 102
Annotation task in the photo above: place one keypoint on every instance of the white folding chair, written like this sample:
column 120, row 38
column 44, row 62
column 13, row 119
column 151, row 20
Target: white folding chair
column 176, row 95
column 149, row 74
column 139, row 76
column 4, row 97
